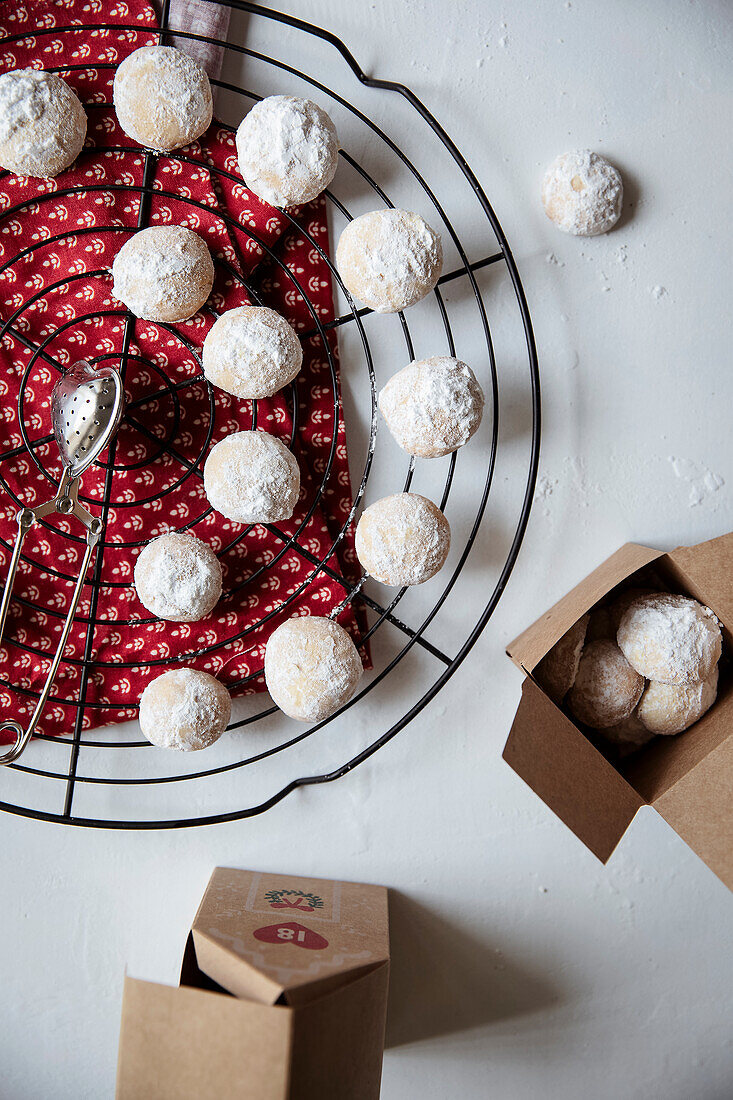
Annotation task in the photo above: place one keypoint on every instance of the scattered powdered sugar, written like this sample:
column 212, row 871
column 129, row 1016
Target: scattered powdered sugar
column 163, row 273
column 287, row 149
column 42, row 123
column 432, row 406
column 162, row 97
column 389, row 259
column 178, row 578
column 252, row 477
column 702, row 481
column 402, row 539
column 312, row 667
column 582, row 193
column 670, row 638
column 606, row 688
column 184, row 709
column 251, row 352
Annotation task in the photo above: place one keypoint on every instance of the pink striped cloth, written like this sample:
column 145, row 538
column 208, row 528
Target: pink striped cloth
column 201, row 17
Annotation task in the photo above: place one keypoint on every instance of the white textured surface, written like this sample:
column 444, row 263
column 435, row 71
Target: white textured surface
column 523, row 969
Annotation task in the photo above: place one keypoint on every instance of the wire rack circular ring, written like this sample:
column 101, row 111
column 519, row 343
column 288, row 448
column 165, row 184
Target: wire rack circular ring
column 71, row 777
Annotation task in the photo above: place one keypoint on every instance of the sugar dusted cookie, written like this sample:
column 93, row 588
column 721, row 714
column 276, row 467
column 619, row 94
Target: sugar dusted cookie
column 402, row 539
column 42, row 123
column 287, row 149
column 432, row 406
column 557, row 670
column 178, row 578
column 670, row 638
column 164, row 273
column 162, row 98
column 606, row 688
column 582, row 193
column 251, row 352
column 184, row 709
column 389, row 259
column 672, row 708
column 251, row 477
column 312, row 667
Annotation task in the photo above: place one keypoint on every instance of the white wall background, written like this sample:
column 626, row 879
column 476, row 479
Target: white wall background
column 523, row 969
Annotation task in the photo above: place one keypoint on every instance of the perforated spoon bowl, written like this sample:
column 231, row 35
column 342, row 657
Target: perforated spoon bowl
column 86, row 410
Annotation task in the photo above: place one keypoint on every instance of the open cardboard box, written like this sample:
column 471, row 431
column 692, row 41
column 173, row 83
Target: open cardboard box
column 283, row 996
column 688, row 778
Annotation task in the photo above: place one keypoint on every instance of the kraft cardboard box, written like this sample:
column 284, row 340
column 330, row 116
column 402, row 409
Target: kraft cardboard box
column 688, row 778
column 283, row 996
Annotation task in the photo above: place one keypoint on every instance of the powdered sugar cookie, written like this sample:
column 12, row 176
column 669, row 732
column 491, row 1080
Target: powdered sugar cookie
column 184, row 709
column 287, row 149
column 432, row 406
column 251, row 477
column 178, row 578
column 606, row 688
column 162, row 98
column 672, row 708
column 164, row 273
column 582, row 193
column 312, row 667
column 557, row 670
column 251, row 352
column 42, row 123
column 389, row 259
column 670, row 638
column 402, row 539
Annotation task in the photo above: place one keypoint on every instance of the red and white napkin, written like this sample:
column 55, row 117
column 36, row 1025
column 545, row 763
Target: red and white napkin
column 44, row 292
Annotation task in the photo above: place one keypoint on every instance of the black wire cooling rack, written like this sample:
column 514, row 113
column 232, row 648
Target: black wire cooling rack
column 101, row 752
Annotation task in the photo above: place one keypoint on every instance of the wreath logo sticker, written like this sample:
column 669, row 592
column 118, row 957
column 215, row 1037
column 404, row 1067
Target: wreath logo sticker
column 294, row 899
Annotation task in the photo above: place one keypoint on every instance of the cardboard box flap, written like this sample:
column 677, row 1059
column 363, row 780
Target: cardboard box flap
column 706, row 571
column 530, row 647
column 568, row 773
column 700, row 809
column 272, row 938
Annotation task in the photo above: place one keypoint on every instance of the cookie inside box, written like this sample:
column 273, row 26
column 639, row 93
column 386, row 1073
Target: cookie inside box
column 591, row 784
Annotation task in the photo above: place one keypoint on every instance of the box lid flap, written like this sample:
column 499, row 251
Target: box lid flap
column 700, row 809
column 268, row 937
column 569, row 773
column 706, row 570
column 530, row 647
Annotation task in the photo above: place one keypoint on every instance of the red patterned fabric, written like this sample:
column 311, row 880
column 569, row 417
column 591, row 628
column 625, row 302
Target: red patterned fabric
column 59, row 296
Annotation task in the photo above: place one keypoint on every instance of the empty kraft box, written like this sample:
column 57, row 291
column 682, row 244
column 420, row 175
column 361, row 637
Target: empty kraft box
column 283, row 996
column 687, row 778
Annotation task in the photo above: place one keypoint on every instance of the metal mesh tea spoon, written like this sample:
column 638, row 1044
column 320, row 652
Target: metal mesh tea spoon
column 86, row 409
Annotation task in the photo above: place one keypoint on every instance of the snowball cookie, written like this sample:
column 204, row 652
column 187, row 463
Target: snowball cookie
column 630, row 734
column 432, row 406
column 184, row 709
column 162, row 98
column 672, row 708
column 557, row 670
column 402, row 539
column 389, row 259
column 42, row 123
column 582, row 193
column 607, row 688
column 287, row 149
column 164, row 273
column 251, row 477
column 670, row 638
column 178, row 578
column 251, row 352
column 312, row 667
